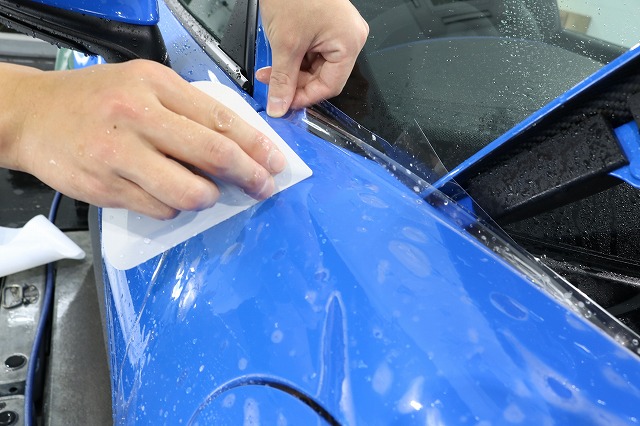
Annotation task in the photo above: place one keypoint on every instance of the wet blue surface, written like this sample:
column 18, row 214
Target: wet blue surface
column 349, row 291
column 349, row 288
column 142, row 12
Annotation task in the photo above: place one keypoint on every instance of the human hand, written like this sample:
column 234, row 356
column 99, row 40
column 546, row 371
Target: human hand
column 314, row 45
column 132, row 135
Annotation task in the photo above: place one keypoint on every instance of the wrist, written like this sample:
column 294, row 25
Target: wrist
column 15, row 100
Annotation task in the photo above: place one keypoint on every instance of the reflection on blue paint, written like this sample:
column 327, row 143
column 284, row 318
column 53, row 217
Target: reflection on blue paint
column 141, row 12
column 406, row 322
column 363, row 302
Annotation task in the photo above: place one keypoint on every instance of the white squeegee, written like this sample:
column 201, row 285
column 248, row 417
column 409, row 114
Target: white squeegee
column 130, row 239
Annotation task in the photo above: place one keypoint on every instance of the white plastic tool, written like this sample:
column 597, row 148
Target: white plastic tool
column 36, row 243
column 130, row 239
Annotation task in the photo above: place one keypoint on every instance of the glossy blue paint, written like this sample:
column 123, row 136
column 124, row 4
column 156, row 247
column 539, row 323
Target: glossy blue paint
column 351, row 291
column 140, row 12
column 629, row 138
column 263, row 59
column 81, row 60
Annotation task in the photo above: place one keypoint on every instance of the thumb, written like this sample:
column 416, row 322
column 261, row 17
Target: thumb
column 282, row 82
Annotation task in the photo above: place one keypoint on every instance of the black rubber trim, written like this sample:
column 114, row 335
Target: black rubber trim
column 114, row 41
column 634, row 107
column 271, row 382
column 233, row 41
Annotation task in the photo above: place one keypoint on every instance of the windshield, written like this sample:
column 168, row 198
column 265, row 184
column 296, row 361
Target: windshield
column 468, row 71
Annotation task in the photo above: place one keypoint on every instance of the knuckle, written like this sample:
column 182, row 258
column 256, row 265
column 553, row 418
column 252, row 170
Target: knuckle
column 221, row 118
column 118, row 104
column 221, row 154
column 151, row 75
column 280, row 78
column 287, row 42
column 335, row 91
column 106, row 150
column 101, row 192
column 163, row 212
column 365, row 30
column 142, row 69
column 79, row 186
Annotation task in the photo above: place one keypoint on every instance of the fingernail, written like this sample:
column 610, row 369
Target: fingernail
column 276, row 161
column 276, row 107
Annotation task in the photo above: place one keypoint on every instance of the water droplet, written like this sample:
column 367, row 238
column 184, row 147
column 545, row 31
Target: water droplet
column 509, row 306
column 277, row 336
column 373, row 201
column 382, row 379
column 229, row 401
column 411, row 257
column 242, row 364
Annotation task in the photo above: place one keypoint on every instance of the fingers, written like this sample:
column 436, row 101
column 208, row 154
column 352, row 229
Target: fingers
column 233, row 151
column 324, row 81
column 196, row 106
column 313, row 51
column 283, row 77
column 118, row 192
column 133, row 197
column 263, row 75
column 122, row 137
column 170, row 182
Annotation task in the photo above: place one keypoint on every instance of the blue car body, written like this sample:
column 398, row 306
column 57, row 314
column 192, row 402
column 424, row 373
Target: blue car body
column 142, row 12
column 349, row 299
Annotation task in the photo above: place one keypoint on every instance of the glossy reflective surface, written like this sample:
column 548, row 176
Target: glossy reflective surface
column 352, row 294
column 350, row 289
column 142, row 12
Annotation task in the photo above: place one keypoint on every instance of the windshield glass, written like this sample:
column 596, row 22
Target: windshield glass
column 467, row 71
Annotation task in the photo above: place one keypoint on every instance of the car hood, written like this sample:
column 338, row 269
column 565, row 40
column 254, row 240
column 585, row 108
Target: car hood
column 349, row 298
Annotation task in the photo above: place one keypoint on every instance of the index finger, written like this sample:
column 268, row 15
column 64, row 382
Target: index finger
column 322, row 83
column 186, row 100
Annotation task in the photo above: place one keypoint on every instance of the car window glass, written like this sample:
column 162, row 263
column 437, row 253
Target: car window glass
column 214, row 15
column 468, row 71
column 231, row 23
